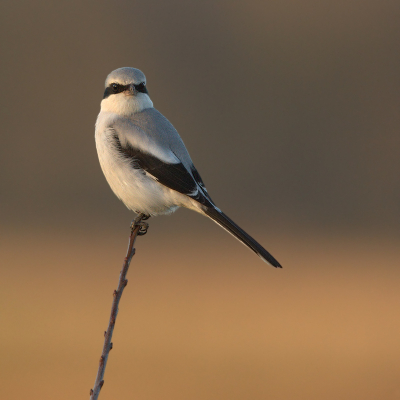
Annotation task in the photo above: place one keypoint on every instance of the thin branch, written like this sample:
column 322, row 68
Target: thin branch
column 138, row 227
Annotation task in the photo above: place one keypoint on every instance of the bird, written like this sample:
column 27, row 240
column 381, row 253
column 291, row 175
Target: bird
column 145, row 161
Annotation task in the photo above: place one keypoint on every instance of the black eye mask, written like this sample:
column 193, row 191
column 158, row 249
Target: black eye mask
column 116, row 88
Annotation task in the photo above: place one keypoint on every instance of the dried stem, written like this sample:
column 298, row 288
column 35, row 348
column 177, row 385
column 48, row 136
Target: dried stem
column 137, row 228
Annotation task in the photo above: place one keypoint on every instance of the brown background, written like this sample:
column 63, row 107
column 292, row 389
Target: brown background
column 290, row 111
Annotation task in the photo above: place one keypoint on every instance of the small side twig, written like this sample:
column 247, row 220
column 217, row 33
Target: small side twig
column 137, row 228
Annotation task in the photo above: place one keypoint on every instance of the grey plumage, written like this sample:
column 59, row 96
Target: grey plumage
column 145, row 160
column 125, row 76
column 151, row 124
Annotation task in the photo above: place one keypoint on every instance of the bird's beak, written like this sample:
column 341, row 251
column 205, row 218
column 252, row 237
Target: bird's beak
column 131, row 91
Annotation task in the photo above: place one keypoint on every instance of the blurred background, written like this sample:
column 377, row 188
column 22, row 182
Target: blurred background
column 290, row 111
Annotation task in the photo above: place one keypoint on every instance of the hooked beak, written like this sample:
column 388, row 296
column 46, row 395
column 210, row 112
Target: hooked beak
column 131, row 91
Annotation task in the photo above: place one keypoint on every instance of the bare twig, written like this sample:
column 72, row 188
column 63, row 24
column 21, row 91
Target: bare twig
column 138, row 227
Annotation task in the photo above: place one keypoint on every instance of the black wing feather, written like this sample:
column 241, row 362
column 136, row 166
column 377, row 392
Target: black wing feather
column 174, row 176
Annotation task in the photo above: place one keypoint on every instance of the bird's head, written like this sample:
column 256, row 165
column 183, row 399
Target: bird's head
column 125, row 92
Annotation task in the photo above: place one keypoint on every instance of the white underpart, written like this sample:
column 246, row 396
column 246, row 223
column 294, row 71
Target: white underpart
column 126, row 104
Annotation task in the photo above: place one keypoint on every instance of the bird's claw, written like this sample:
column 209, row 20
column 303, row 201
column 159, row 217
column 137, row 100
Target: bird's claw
column 142, row 216
column 143, row 228
column 139, row 222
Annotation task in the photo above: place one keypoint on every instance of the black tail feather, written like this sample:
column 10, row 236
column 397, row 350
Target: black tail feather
column 225, row 222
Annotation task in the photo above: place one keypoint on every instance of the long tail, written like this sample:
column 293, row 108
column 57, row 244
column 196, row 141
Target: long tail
column 225, row 222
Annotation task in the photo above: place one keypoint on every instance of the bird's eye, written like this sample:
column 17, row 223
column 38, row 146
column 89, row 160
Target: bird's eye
column 113, row 88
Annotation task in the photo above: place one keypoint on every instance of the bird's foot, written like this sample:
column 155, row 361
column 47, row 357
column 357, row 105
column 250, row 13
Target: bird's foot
column 144, row 226
column 142, row 216
column 139, row 221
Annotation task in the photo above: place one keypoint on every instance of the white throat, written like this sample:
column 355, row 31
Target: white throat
column 123, row 104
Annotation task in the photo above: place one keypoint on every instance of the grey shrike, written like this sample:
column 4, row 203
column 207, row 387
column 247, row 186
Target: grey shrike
column 145, row 161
